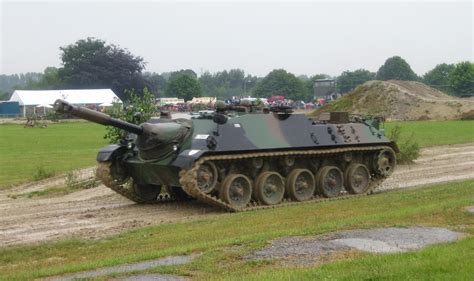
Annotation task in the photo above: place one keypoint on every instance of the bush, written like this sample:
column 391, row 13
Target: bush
column 72, row 182
column 145, row 106
column 42, row 173
column 409, row 148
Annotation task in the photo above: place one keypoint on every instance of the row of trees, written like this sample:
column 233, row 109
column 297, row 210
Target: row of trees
column 92, row 63
column 453, row 79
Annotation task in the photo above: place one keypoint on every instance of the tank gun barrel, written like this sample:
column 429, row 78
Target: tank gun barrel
column 63, row 106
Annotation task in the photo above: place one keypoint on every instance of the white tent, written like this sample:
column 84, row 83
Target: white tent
column 79, row 97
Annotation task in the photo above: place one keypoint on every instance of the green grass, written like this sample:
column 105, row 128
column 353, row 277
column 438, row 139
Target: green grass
column 34, row 153
column 440, row 205
column 432, row 133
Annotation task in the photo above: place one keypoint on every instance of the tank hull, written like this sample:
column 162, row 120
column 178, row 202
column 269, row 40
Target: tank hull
column 258, row 161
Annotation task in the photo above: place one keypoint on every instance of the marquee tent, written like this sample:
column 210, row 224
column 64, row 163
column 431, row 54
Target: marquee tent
column 29, row 100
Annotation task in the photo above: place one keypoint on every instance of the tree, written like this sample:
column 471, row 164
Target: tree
column 91, row 63
column 461, row 79
column 9, row 83
column 396, row 68
column 349, row 80
column 189, row 72
column 156, row 83
column 279, row 82
column 183, row 86
column 49, row 80
column 226, row 84
column 438, row 77
column 144, row 105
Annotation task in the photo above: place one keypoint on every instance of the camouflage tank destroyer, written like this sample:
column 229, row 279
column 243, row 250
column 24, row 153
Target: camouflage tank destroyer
column 244, row 162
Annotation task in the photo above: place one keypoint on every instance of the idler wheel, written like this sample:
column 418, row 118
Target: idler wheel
column 112, row 173
column 146, row 192
column 236, row 190
column 207, row 177
column 269, row 188
column 330, row 181
column 357, row 178
column 300, row 185
column 386, row 162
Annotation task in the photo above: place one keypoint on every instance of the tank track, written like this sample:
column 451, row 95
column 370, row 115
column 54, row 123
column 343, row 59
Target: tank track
column 103, row 173
column 188, row 178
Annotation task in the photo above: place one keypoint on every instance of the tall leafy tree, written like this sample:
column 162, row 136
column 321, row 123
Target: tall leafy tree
column 91, row 63
column 183, row 86
column 349, row 80
column 461, row 79
column 155, row 82
column 438, row 77
column 396, row 68
column 279, row 82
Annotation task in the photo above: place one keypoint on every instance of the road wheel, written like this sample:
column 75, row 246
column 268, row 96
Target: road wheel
column 112, row 174
column 207, row 177
column 386, row 162
column 300, row 185
column 357, row 178
column 330, row 181
column 236, row 190
column 269, row 188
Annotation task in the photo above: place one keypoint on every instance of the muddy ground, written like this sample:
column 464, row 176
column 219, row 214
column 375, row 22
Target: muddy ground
column 99, row 212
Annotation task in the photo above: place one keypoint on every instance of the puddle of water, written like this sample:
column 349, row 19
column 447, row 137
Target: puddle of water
column 173, row 260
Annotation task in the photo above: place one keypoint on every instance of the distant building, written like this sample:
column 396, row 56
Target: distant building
column 30, row 101
column 204, row 100
column 168, row 101
column 9, row 109
column 324, row 88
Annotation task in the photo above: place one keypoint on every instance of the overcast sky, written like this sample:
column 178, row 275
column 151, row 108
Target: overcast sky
column 303, row 38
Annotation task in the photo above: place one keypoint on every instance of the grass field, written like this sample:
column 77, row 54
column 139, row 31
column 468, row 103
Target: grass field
column 440, row 205
column 26, row 152
column 432, row 133
column 29, row 152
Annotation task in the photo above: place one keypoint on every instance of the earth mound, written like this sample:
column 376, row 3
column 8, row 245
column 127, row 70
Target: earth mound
column 402, row 100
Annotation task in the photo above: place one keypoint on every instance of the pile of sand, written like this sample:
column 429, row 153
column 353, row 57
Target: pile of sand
column 402, row 100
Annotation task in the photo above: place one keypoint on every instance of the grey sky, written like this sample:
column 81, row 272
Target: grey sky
column 303, row 38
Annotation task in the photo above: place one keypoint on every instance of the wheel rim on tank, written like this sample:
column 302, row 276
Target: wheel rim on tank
column 357, row 178
column 386, row 162
column 300, row 185
column 330, row 181
column 207, row 177
column 269, row 188
column 146, row 192
column 236, row 190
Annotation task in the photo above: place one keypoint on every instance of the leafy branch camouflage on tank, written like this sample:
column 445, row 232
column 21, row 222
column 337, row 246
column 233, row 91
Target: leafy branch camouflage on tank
column 243, row 158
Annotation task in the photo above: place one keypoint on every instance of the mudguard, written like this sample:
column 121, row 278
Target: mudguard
column 109, row 152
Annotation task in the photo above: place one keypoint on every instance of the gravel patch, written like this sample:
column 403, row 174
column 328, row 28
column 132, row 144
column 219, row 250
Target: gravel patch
column 380, row 240
column 152, row 277
column 173, row 260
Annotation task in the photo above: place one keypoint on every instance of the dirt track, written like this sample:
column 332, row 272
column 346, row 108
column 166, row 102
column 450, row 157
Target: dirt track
column 99, row 212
